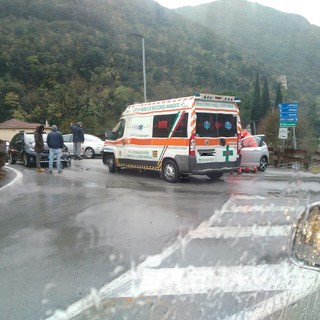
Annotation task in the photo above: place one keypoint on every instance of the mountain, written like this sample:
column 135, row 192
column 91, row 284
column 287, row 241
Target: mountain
column 71, row 60
column 66, row 59
column 286, row 43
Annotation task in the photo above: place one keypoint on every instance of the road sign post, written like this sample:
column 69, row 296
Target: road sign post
column 288, row 118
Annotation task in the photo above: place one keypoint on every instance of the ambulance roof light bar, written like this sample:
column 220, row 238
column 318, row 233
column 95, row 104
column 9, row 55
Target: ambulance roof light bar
column 213, row 97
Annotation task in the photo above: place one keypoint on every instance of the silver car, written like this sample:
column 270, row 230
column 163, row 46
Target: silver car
column 254, row 152
column 91, row 147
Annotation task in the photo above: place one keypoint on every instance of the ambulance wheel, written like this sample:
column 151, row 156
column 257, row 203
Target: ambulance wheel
column 215, row 175
column 170, row 171
column 111, row 162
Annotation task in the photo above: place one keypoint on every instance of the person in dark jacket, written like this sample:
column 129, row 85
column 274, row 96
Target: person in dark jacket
column 55, row 143
column 39, row 146
column 77, row 138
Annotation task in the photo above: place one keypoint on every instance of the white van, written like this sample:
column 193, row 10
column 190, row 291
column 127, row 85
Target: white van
column 177, row 137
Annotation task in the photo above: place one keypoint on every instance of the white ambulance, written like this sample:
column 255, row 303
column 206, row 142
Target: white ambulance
column 177, row 137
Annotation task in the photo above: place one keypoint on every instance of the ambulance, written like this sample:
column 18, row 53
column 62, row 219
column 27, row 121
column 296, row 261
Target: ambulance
column 195, row 135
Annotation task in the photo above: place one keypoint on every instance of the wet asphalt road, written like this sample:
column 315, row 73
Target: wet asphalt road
column 64, row 236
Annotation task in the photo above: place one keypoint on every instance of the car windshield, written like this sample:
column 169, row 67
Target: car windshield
column 200, row 201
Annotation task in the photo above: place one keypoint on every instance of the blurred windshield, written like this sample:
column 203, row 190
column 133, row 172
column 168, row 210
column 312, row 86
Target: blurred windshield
column 190, row 207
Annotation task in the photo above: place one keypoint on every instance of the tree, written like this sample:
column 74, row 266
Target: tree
column 270, row 127
column 265, row 103
column 256, row 107
column 279, row 98
column 11, row 102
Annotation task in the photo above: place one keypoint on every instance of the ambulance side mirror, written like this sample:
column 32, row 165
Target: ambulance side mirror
column 304, row 241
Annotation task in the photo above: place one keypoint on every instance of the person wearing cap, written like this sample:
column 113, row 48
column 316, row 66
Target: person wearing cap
column 55, row 143
column 39, row 146
column 77, row 138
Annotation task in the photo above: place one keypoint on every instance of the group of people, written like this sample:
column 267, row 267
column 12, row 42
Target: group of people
column 55, row 143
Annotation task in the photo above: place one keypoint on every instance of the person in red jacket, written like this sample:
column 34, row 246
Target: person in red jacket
column 249, row 142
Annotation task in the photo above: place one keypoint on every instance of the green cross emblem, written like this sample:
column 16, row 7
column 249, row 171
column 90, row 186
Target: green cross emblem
column 227, row 153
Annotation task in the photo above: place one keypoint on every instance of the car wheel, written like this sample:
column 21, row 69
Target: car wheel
column 89, row 153
column 170, row 171
column 26, row 160
column 263, row 163
column 215, row 175
column 185, row 177
column 12, row 159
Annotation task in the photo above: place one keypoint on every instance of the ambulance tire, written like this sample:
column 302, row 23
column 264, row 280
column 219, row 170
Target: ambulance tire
column 111, row 164
column 215, row 175
column 170, row 171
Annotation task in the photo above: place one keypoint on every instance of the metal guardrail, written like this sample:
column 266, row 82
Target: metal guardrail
column 293, row 158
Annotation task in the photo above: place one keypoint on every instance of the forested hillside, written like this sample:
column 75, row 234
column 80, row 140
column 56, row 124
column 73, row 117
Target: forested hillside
column 69, row 60
column 287, row 43
column 65, row 60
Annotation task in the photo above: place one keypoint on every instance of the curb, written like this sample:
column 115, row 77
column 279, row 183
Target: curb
column 10, row 177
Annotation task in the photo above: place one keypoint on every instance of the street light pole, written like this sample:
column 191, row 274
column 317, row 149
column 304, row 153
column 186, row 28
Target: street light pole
column 143, row 65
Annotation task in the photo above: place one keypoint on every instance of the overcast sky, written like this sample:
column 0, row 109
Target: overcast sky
column 306, row 8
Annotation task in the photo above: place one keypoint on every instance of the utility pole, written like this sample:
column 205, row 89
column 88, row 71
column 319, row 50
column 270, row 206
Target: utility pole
column 143, row 65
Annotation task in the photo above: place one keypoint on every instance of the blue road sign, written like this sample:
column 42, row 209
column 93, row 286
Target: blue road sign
column 294, row 110
column 288, row 105
column 288, row 119
column 288, row 113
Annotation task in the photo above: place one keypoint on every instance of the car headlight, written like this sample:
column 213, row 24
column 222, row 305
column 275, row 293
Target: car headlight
column 304, row 245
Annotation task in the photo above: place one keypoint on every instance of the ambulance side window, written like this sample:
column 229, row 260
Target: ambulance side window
column 181, row 130
column 163, row 125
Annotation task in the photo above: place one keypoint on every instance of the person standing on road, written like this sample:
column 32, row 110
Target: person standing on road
column 55, row 143
column 39, row 146
column 77, row 139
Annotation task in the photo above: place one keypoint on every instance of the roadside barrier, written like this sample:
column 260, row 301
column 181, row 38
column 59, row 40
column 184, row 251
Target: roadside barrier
column 293, row 158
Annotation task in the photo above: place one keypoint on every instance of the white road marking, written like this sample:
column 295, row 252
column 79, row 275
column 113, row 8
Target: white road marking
column 183, row 281
column 145, row 281
column 275, row 303
column 295, row 282
column 17, row 178
column 240, row 232
column 264, row 208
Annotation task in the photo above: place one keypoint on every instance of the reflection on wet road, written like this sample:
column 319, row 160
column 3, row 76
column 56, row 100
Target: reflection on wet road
column 66, row 236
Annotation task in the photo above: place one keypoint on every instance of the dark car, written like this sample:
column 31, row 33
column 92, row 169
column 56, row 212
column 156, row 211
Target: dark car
column 21, row 148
